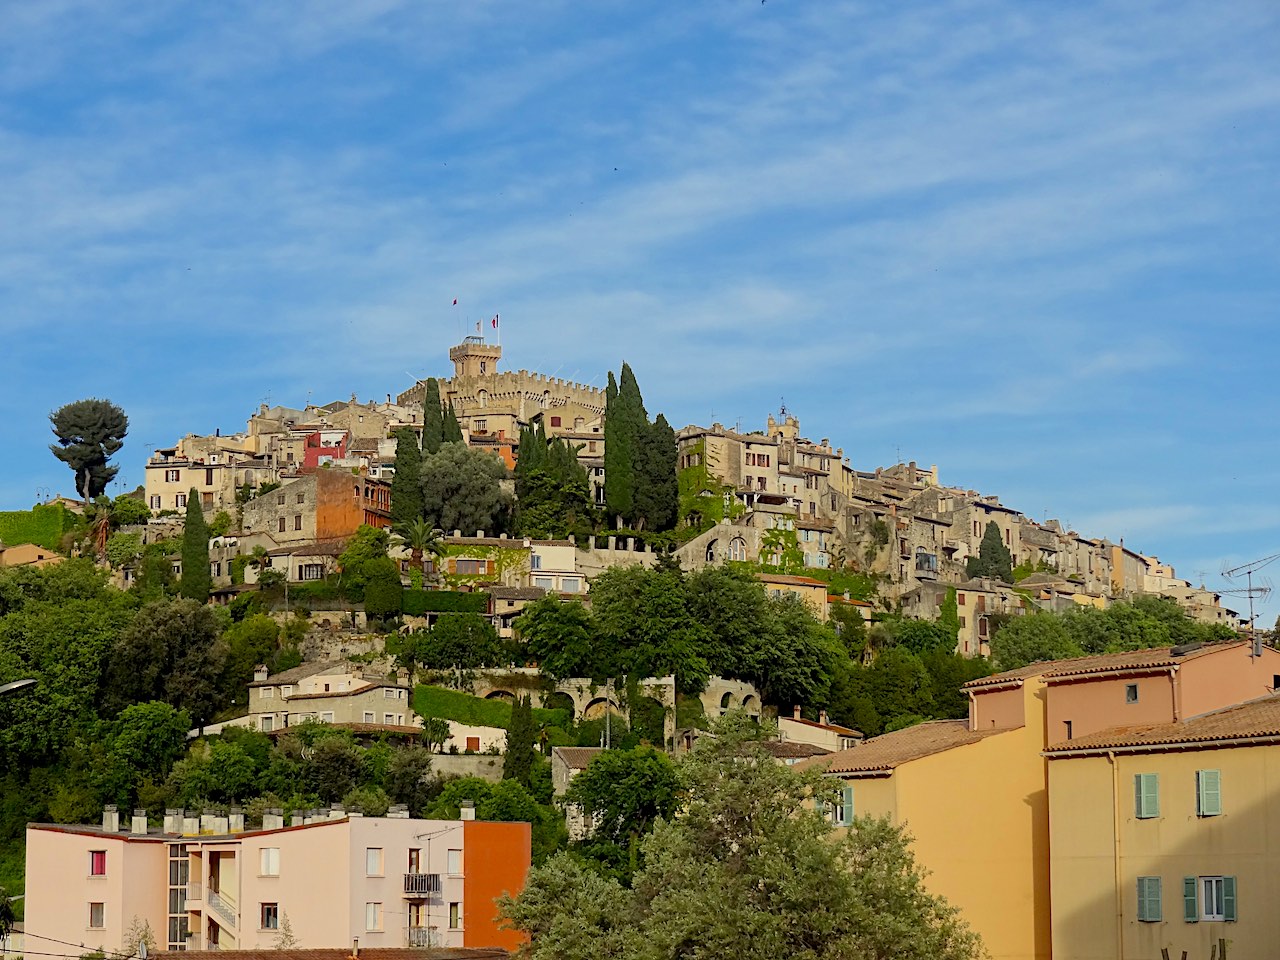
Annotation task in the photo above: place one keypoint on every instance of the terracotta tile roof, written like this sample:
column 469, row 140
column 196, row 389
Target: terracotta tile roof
column 902, row 746
column 577, row 758
column 781, row 578
column 791, row 749
column 294, row 674
column 1152, row 658
column 399, row 729
column 1257, row 719
column 833, row 727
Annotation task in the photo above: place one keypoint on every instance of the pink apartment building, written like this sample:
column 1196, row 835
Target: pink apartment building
column 205, row 883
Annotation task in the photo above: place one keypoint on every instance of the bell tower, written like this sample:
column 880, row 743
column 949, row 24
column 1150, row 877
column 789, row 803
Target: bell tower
column 475, row 358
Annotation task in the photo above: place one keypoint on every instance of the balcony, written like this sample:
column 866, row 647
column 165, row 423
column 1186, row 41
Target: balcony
column 423, row 937
column 419, row 886
column 195, row 896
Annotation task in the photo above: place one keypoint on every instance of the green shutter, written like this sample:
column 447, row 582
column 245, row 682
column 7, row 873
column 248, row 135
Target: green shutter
column 846, row 812
column 1146, row 792
column 1208, row 793
column 1149, row 899
column 1228, row 898
column 1190, row 908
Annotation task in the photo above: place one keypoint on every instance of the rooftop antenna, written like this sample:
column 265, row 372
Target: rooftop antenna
column 1261, row 591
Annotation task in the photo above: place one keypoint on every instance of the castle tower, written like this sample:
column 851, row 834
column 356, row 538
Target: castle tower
column 475, row 358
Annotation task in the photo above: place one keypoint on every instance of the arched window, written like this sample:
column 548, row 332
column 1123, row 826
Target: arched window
column 737, row 549
column 482, row 398
column 711, row 551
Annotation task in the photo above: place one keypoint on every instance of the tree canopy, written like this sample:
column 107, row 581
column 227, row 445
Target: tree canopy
column 197, row 581
column 462, row 490
column 994, row 559
column 406, row 482
column 432, row 417
column 90, row 432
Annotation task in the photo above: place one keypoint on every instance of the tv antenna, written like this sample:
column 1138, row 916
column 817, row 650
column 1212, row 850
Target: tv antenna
column 1261, row 591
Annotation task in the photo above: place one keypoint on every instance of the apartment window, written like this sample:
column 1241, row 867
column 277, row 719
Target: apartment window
column 1146, row 795
column 591, row 446
column 453, row 863
column 544, row 583
column 555, row 421
column 369, row 717
column 373, row 916
column 1131, row 693
column 97, row 916
column 312, row 571
column 470, row 567
column 154, row 502
column 961, row 599
column 570, row 585
column 1149, row 910
column 180, row 500
column 269, row 916
column 172, row 476
column 1208, row 793
column 297, row 521
column 455, row 916
column 1067, row 724
column 280, row 499
column 373, row 861
column 208, row 478
column 388, row 718
column 280, row 525
column 286, row 690
column 97, row 863
column 269, row 862
column 302, row 498
column 844, row 808
column 1208, row 898
column 535, row 562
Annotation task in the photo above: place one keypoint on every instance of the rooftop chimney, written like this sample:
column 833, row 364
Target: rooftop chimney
column 110, row 819
column 399, row 811
column 467, row 810
column 795, row 712
column 297, row 819
column 190, row 826
column 138, row 825
column 273, row 819
column 822, row 717
column 173, row 820
column 235, row 822
column 260, row 673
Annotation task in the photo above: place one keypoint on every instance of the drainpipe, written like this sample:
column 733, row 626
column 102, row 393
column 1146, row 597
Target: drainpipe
column 1176, row 691
column 1115, row 858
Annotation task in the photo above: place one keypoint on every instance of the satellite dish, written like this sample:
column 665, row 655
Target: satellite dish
column 142, row 950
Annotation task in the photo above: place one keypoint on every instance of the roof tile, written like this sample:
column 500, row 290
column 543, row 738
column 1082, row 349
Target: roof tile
column 893, row 749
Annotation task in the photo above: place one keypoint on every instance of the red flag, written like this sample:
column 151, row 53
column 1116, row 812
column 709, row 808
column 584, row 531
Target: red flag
column 455, row 301
column 495, row 321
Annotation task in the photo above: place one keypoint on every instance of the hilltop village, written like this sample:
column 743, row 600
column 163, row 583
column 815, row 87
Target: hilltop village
column 523, row 618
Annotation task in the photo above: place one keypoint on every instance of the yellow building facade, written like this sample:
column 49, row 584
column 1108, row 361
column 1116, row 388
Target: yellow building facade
column 1168, row 837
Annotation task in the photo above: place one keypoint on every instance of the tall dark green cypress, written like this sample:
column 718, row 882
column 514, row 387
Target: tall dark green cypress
column 406, row 483
column 657, row 490
column 432, row 417
column 625, row 422
column 451, row 430
column 518, row 763
column 196, row 580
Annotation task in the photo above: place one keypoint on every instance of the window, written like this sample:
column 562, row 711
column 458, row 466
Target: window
column 844, row 807
column 280, row 499
column 388, row 718
column 373, row 862
column 1149, row 900
column 286, row 690
column 280, row 525
column 267, row 693
column 570, row 585
column 208, row 477
column 1131, row 693
column 960, row 599
column 172, row 476
column 555, row 421
column 97, row 863
column 302, row 498
column 297, row 521
column 269, row 916
column 1208, row 793
column 269, row 862
column 373, row 915
column 1067, row 724
column 455, row 916
column 453, row 863
column 482, row 426
column 180, row 500
column 1208, row 898
column 544, row 583
column 470, row 567
column 154, row 502
column 1146, row 795
column 369, row 717
column 97, row 916
column 312, row 571
column 326, row 716
column 535, row 562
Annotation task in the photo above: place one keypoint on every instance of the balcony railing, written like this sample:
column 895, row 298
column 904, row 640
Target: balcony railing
column 423, row 937
column 195, row 892
column 223, row 909
column 422, row 884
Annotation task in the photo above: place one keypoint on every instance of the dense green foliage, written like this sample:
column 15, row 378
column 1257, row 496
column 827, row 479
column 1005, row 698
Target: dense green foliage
column 418, row 602
column 553, row 495
column 90, row 432
column 364, row 558
column 42, row 525
column 994, row 559
column 431, row 701
column 432, row 417
column 462, row 490
column 406, row 482
column 747, row 870
column 197, row 581
column 640, row 485
column 1143, row 622
column 517, row 762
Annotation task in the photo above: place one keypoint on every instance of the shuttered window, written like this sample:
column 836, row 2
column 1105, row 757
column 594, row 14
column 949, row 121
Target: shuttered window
column 1208, row 793
column 1146, row 794
column 1149, row 908
column 844, row 809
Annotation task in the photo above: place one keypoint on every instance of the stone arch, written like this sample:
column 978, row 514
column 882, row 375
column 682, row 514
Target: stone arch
column 751, row 705
column 598, row 706
column 506, row 696
column 711, row 551
column 559, row 700
column 482, row 398
column 726, row 702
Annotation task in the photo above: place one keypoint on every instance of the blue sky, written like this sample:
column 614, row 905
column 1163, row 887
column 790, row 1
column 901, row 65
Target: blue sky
column 1032, row 243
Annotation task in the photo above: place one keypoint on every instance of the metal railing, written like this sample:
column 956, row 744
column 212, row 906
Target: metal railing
column 423, row 937
column 194, row 891
column 223, row 909
column 422, row 884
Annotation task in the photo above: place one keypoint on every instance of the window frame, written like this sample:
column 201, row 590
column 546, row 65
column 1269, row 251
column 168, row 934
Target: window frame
column 1208, row 793
column 97, row 863
column 1130, row 693
column 102, row 915
column 268, row 861
column 374, row 862
column 373, row 916
column 1146, row 791
column 269, row 912
column 1198, row 891
column 453, row 862
column 1150, row 900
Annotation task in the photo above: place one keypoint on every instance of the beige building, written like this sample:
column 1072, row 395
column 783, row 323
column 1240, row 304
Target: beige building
column 820, row 733
column 28, row 555
column 328, row 693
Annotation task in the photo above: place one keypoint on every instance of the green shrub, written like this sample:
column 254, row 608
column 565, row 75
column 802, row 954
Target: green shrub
column 42, row 525
column 460, row 707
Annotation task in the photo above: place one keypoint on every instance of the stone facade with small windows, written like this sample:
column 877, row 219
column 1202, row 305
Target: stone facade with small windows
column 328, row 693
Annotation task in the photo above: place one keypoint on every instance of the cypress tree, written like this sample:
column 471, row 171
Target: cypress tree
column 518, row 763
column 451, row 431
column 993, row 559
column 432, row 417
column 657, row 495
column 625, row 422
column 196, row 580
column 406, row 484
column 610, row 391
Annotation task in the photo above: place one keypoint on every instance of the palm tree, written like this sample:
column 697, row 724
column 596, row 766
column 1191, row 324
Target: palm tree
column 100, row 527
column 421, row 538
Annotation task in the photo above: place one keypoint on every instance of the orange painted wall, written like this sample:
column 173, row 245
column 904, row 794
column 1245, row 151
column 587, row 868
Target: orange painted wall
column 496, row 862
column 997, row 709
column 1099, row 703
column 1231, row 676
